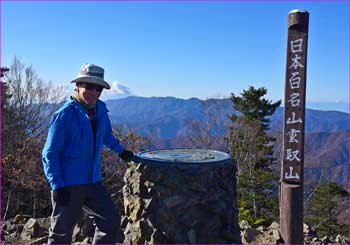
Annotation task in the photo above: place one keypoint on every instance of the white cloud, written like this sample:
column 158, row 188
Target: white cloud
column 117, row 91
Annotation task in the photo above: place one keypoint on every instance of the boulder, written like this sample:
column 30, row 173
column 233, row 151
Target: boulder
column 271, row 236
column 341, row 239
column 249, row 234
column 244, row 225
column 274, row 225
column 20, row 219
column 30, row 230
column 39, row 240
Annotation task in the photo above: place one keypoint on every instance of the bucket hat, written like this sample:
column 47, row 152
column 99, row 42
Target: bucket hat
column 90, row 73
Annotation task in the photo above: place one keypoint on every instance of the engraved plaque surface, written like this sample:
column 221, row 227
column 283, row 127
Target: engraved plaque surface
column 184, row 155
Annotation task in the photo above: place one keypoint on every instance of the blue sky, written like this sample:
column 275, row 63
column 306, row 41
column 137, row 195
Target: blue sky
column 180, row 49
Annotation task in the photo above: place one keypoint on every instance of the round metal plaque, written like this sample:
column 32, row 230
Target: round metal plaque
column 184, row 155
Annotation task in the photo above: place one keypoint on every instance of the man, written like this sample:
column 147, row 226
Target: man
column 72, row 161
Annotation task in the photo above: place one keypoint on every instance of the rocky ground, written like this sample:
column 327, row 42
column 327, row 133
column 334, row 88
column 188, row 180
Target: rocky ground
column 271, row 235
column 26, row 230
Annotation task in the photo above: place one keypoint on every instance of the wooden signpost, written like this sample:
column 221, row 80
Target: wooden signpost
column 292, row 169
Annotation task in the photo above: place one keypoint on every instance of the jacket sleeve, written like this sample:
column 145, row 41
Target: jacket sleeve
column 53, row 147
column 109, row 139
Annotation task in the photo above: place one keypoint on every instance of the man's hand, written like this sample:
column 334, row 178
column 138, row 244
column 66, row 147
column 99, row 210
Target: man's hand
column 126, row 155
column 62, row 196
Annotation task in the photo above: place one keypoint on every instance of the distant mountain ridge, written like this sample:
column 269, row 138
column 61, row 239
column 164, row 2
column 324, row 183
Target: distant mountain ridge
column 327, row 155
column 169, row 116
column 329, row 106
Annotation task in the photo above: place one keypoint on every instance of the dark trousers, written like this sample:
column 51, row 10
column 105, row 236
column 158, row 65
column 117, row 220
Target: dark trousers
column 93, row 199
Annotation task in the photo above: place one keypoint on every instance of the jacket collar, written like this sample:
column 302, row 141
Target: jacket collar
column 100, row 107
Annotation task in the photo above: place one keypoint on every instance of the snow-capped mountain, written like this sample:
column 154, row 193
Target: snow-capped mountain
column 117, row 91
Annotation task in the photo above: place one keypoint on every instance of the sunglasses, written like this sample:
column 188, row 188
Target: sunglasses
column 90, row 86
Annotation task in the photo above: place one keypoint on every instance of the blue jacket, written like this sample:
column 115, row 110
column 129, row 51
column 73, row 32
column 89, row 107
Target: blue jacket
column 69, row 156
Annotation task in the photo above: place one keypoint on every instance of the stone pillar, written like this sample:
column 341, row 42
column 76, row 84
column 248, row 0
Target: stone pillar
column 181, row 196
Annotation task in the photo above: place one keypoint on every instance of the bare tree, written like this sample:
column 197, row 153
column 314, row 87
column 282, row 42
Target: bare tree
column 243, row 137
column 26, row 107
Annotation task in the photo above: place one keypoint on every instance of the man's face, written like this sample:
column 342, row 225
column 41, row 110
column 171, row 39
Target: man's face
column 89, row 92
